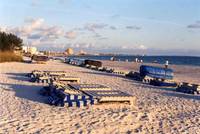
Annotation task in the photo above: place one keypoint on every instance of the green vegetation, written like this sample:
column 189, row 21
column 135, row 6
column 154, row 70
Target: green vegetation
column 8, row 44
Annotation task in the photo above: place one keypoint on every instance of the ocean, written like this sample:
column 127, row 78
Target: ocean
column 175, row 60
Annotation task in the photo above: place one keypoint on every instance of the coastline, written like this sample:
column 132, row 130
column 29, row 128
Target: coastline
column 158, row 110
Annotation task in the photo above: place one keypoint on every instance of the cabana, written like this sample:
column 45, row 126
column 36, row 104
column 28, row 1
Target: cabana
column 154, row 75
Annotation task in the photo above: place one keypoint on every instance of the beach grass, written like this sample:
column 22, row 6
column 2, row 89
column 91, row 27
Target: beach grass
column 9, row 57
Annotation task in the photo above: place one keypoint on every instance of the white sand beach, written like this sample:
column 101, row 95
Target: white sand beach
column 23, row 110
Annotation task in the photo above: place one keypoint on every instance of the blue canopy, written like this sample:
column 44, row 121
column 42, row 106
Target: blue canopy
column 156, row 72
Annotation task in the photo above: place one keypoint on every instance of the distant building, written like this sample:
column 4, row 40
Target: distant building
column 82, row 52
column 69, row 51
column 29, row 49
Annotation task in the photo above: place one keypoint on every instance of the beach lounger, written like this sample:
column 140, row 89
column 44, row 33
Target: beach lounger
column 93, row 67
column 69, row 79
column 109, row 70
column 188, row 88
column 84, row 87
column 101, row 68
column 64, row 95
column 56, row 73
column 64, row 79
column 77, row 95
column 111, row 96
column 37, row 73
column 120, row 72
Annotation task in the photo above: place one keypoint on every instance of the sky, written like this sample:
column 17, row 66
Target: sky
column 152, row 27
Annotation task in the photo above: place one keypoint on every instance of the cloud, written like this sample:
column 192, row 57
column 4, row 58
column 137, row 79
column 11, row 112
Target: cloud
column 82, row 45
column 94, row 26
column 35, row 36
column 33, row 24
column 71, row 35
column 54, row 31
column 97, row 35
column 45, row 34
column 113, row 27
column 142, row 47
column 34, row 3
column 138, row 47
column 34, row 42
column 133, row 27
column 61, row 1
column 115, row 16
column 196, row 25
column 103, row 38
column 36, row 32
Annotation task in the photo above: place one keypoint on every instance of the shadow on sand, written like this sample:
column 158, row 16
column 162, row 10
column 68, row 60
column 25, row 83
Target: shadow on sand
column 18, row 76
column 29, row 92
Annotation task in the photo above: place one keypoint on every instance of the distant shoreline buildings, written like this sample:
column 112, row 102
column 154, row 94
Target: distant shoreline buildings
column 68, row 52
column 29, row 49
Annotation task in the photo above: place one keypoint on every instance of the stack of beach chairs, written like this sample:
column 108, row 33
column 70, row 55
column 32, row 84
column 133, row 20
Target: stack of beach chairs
column 94, row 65
column 64, row 90
column 48, row 76
column 63, row 95
column 188, row 88
column 155, row 76
column 78, row 95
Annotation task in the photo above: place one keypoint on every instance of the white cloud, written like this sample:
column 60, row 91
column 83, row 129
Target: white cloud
column 94, row 26
column 82, row 45
column 195, row 25
column 33, row 24
column 36, row 31
column 142, row 47
column 138, row 47
column 34, row 3
column 113, row 27
column 133, row 27
column 71, row 35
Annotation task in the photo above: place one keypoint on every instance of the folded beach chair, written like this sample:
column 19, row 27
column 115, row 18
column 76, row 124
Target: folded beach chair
column 84, row 87
column 111, row 96
column 103, row 93
column 61, row 94
column 56, row 73
column 119, row 72
column 63, row 79
column 188, row 88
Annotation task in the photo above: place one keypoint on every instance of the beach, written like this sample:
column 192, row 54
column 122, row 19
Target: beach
column 157, row 110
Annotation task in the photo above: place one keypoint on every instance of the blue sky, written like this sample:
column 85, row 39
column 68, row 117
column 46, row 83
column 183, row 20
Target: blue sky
column 154, row 27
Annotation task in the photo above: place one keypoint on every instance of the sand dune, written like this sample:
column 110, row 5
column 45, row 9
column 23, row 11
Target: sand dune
column 158, row 110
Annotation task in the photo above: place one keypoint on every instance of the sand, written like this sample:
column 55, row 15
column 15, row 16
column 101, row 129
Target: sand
column 23, row 110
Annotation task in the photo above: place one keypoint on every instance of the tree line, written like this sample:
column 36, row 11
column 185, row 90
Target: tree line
column 9, row 42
